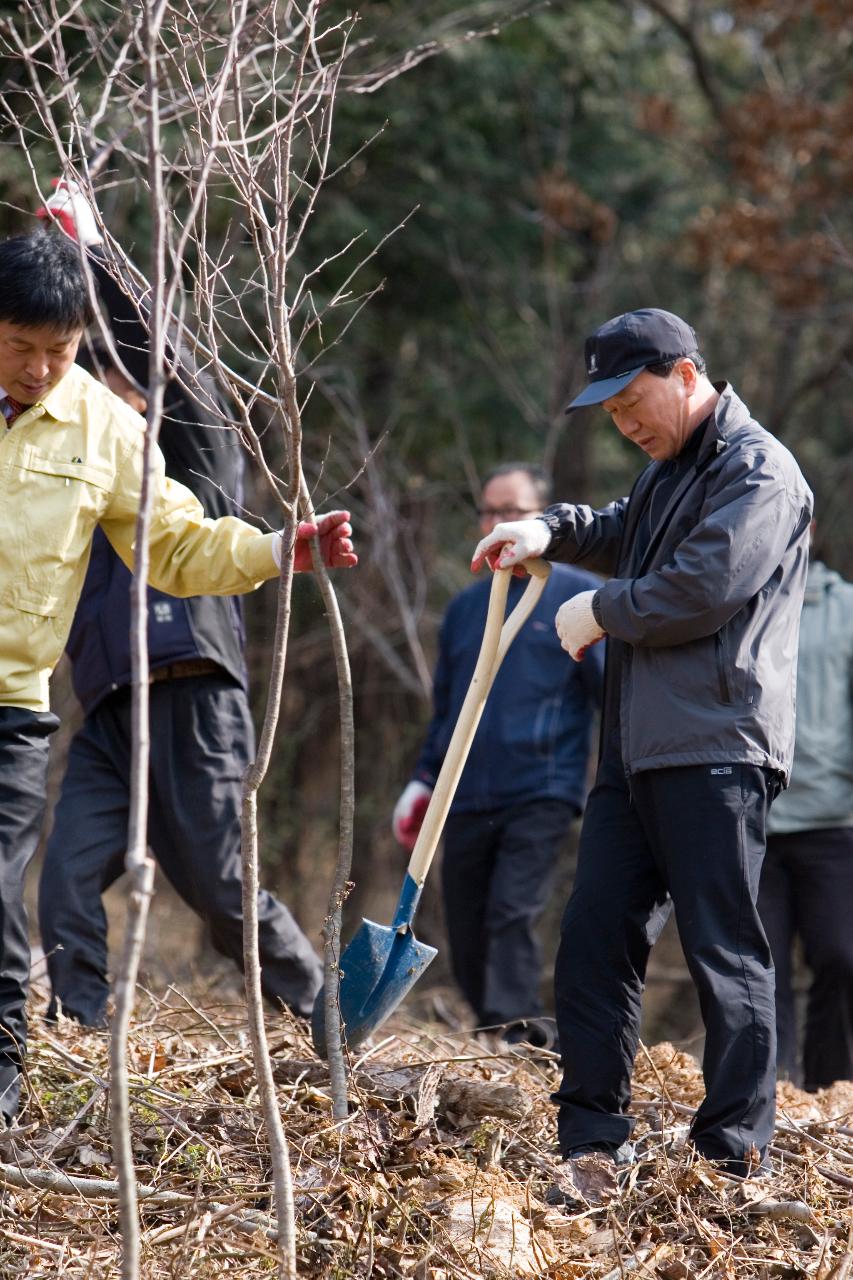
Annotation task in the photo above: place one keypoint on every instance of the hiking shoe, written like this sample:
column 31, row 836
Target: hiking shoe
column 752, row 1164
column 742, row 1169
column 589, row 1175
column 622, row 1155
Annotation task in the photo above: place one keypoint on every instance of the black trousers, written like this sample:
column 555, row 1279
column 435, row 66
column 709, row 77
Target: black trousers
column 697, row 834
column 23, row 771
column 201, row 740
column 807, row 890
column 497, row 872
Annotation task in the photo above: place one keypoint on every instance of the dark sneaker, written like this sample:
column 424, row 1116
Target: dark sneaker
column 538, row 1033
column 742, row 1169
column 589, row 1175
column 91, row 1019
column 750, row 1165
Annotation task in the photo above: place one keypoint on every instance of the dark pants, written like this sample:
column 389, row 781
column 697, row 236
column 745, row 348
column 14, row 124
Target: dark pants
column 497, row 872
column 697, row 833
column 23, row 771
column 807, row 890
column 201, row 740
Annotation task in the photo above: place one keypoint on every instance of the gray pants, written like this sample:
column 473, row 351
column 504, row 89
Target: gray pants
column 201, row 741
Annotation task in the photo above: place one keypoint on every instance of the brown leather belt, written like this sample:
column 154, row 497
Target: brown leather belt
column 189, row 667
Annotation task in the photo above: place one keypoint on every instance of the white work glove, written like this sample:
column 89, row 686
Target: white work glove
column 71, row 208
column 511, row 542
column 576, row 625
column 409, row 813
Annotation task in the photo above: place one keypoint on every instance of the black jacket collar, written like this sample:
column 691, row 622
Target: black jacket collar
column 729, row 413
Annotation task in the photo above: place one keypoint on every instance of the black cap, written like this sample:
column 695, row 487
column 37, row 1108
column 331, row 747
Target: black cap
column 626, row 345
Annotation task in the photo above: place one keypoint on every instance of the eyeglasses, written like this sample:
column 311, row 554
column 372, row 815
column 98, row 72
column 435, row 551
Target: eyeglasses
column 505, row 513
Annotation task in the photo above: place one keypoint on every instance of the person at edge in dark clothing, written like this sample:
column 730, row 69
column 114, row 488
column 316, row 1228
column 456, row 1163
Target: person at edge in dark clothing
column 202, row 736
column 708, row 557
column 807, row 878
column 523, row 785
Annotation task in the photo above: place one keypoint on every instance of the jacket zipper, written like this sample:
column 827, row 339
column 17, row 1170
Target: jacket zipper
column 722, row 676
column 627, row 657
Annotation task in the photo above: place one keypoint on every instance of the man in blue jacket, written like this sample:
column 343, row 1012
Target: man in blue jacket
column 522, row 787
column 202, row 736
column 708, row 557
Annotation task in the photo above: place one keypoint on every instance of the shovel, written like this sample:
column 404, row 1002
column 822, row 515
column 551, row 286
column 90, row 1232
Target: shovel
column 382, row 963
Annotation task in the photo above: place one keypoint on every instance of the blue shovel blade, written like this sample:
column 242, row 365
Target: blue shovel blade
column 378, row 969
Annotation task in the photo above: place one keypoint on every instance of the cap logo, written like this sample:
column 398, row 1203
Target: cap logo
column 623, row 347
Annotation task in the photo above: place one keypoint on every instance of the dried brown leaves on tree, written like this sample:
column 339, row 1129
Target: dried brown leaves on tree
column 783, row 141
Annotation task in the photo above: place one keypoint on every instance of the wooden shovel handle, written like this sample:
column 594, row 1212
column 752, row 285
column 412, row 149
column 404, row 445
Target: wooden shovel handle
column 496, row 640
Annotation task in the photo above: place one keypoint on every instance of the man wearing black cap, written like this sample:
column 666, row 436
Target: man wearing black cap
column 708, row 559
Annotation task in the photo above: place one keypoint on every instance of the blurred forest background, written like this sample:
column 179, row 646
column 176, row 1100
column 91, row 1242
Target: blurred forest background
column 553, row 165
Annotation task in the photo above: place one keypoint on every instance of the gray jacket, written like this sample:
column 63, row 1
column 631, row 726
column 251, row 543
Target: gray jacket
column 711, row 615
column 821, row 790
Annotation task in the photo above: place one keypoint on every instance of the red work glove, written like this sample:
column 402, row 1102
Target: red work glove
column 73, row 211
column 336, row 547
column 409, row 813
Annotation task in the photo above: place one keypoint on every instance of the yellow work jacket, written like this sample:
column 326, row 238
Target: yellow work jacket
column 68, row 463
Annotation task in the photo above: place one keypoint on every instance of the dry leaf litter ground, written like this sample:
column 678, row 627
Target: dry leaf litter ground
column 441, row 1171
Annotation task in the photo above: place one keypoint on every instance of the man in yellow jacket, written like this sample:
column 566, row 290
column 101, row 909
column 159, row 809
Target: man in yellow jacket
column 71, row 458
